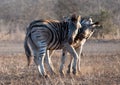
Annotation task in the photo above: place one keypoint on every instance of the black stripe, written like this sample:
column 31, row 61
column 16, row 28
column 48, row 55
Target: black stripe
column 51, row 24
column 32, row 40
column 54, row 32
column 55, row 39
column 36, row 21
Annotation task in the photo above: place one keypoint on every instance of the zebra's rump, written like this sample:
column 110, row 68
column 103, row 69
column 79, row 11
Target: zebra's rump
column 51, row 34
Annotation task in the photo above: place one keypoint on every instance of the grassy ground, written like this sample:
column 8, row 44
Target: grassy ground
column 102, row 68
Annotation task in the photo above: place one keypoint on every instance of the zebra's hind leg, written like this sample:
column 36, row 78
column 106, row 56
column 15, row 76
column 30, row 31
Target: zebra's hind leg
column 40, row 66
column 49, row 62
column 70, row 66
column 39, row 59
column 62, row 62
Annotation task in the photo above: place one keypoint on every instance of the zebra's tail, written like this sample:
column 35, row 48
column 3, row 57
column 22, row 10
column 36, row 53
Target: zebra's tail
column 27, row 50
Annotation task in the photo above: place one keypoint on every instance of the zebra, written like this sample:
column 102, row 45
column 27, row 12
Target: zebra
column 45, row 35
column 88, row 28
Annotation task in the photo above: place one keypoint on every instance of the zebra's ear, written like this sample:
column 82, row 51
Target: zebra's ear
column 79, row 18
column 74, row 17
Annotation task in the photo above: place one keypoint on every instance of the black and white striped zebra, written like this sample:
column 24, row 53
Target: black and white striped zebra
column 88, row 27
column 45, row 35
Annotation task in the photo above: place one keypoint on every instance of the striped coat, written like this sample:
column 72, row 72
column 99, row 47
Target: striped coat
column 88, row 28
column 45, row 35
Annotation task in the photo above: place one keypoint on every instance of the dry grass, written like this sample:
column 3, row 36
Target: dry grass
column 95, row 70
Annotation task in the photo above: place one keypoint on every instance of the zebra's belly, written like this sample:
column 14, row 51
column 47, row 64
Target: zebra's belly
column 56, row 46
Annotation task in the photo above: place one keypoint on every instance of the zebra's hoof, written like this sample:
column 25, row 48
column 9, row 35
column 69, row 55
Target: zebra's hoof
column 74, row 72
column 47, row 76
column 68, row 71
column 62, row 73
column 53, row 73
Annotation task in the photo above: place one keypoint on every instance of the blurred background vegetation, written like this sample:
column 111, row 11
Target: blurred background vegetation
column 15, row 15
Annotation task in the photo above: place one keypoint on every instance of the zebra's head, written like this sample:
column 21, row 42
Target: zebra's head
column 73, row 27
column 88, row 27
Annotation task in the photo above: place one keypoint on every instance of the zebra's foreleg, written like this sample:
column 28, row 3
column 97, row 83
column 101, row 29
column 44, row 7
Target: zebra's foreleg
column 62, row 62
column 72, row 51
column 79, row 52
column 70, row 66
